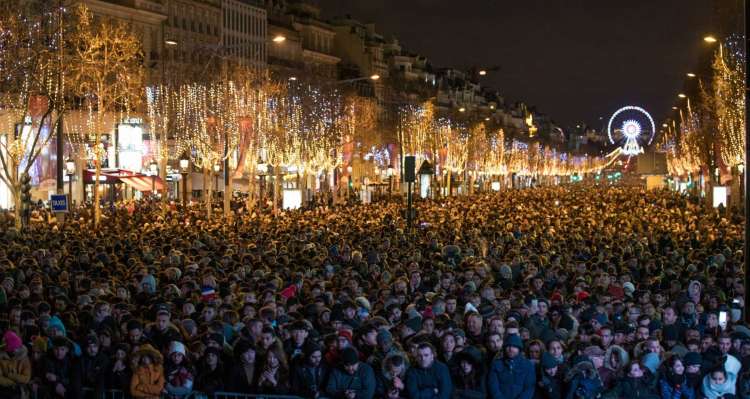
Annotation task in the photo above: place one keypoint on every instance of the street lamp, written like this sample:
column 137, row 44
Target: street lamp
column 154, row 168
column 681, row 95
column 709, row 39
column 374, row 76
column 482, row 72
column 184, row 164
column 262, row 171
column 70, row 170
column 170, row 42
column 462, row 109
column 690, row 75
column 279, row 38
column 217, row 169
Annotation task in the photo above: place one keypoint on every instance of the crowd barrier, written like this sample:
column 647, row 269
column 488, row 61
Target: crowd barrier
column 88, row 393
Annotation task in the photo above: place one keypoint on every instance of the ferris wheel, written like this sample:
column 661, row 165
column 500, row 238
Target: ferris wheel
column 632, row 128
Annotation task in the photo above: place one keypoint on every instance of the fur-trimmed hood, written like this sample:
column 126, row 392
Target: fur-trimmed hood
column 146, row 350
column 583, row 369
column 621, row 353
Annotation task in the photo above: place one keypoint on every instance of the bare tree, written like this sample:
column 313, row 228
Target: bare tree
column 108, row 76
column 31, row 86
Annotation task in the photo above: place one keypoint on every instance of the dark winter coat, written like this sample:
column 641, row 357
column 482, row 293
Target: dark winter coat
column 633, row 388
column 429, row 383
column 92, row 372
column 583, row 382
column 511, row 378
column 238, row 381
column 549, row 387
column 362, row 382
column 669, row 388
column 210, row 381
column 307, row 381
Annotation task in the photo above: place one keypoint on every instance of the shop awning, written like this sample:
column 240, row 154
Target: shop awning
column 138, row 181
column 143, row 183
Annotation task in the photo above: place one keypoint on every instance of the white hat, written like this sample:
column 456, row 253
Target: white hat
column 177, row 347
column 628, row 287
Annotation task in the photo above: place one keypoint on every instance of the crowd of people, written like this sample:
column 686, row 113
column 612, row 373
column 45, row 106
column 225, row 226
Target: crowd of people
column 545, row 293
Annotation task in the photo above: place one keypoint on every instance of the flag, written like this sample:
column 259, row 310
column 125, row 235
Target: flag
column 208, row 293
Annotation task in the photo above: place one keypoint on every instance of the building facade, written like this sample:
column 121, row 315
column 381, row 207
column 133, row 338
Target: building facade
column 244, row 32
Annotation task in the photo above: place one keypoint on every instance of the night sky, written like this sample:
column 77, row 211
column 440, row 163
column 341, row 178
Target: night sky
column 576, row 60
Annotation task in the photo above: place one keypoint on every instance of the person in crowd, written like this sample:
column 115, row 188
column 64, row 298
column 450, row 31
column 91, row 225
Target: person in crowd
column 309, row 373
column 274, row 373
column 210, row 374
column 15, row 367
column 469, row 379
column 721, row 380
column 673, row 383
column 243, row 377
column 637, row 383
column 549, row 380
column 352, row 379
column 512, row 376
column 179, row 374
column 428, row 378
column 148, row 373
column 93, row 366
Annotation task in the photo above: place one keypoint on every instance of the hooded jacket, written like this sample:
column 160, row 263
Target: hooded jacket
column 711, row 391
column 148, row 381
column 583, row 381
column 15, row 368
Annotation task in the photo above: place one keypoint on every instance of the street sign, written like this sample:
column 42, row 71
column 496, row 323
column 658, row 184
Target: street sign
column 58, row 202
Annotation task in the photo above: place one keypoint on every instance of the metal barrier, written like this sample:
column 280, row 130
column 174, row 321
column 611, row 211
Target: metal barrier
column 88, row 393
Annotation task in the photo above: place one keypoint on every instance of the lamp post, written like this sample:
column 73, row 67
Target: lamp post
column 70, row 170
column 154, row 168
column 262, row 171
column 184, row 165
column 217, row 169
column 389, row 172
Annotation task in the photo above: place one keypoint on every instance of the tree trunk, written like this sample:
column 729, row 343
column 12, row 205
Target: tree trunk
column 228, row 196
column 17, row 204
column 97, row 195
column 736, row 190
column 209, row 193
column 276, row 175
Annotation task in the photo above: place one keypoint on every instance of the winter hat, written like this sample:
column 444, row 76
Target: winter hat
column 39, row 344
column 349, row 356
column 346, row 334
column 363, row 302
column 56, row 323
column 548, row 361
column 515, row 341
column 177, row 347
column 415, row 324
column 693, row 359
column 629, row 288
column 582, row 296
column 310, row 348
column 12, row 341
column 384, row 337
column 593, row 350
